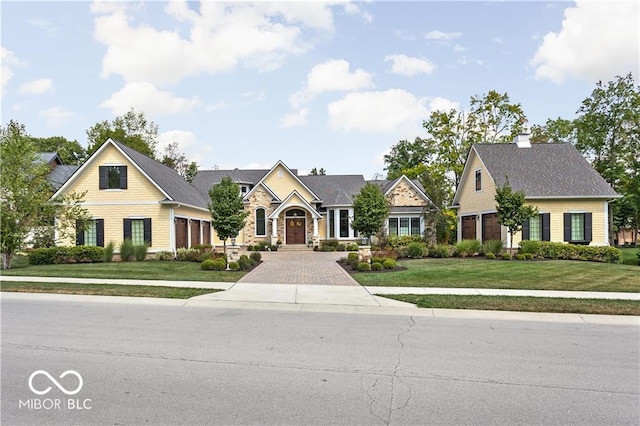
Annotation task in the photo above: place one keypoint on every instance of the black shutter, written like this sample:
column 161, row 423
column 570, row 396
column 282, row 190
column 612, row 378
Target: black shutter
column 546, row 227
column 147, row 231
column 525, row 230
column 588, row 226
column 123, row 177
column 79, row 233
column 567, row 226
column 100, row 232
column 103, row 177
column 127, row 228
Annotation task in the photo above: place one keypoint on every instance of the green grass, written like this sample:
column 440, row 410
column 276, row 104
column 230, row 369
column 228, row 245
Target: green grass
column 149, row 270
column 630, row 256
column 105, row 289
column 514, row 274
column 523, row 304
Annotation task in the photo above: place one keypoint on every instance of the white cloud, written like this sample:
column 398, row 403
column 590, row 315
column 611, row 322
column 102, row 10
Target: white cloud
column 409, row 66
column 56, row 116
column 8, row 60
column 37, row 87
column 597, row 41
column 443, row 104
column 221, row 37
column 146, row 97
column 332, row 75
column 392, row 110
column 295, row 119
column 188, row 143
column 442, row 36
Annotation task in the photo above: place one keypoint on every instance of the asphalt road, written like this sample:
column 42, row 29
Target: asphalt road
column 199, row 365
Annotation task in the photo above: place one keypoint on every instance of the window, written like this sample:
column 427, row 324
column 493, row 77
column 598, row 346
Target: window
column 478, row 180
column 404, row 226
column 537, row 228
column 138, row 230
column 90, row 233
column 113, row 177
column 243, row 190
column 332, row 224
column 578, row 227
column 261, row 223
column 344, row 223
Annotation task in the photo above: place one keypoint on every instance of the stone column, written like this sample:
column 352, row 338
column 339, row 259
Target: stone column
column 364, row 254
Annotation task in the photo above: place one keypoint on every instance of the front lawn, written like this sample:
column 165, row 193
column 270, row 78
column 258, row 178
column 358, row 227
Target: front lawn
column 630, row 256
column 105, row 289
column 503, row 274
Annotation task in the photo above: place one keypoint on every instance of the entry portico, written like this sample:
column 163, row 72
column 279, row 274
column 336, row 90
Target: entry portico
column 294, row 211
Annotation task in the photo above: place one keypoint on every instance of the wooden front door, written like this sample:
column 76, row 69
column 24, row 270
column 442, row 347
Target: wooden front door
column 469, row 227
column 490, row 227
column 296, row 230
column 181, row 232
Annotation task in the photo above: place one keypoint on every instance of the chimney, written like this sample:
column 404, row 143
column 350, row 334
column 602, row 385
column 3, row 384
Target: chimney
column 522, row 140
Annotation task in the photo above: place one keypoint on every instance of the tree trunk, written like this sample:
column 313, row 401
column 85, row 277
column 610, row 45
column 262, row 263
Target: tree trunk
column 6, row 260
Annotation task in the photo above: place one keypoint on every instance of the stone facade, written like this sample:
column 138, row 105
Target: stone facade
column 259, row 198
column 405, row 195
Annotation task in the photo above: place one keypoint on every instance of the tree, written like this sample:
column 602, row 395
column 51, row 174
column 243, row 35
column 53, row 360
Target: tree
column 178, row 161
column 406, row 155
column 370, row 209
column 227, row 209
column 442, row 219
column 559, row 130
column 25, row 193
column 512, row 209
column 131, row 129
column 70, row 152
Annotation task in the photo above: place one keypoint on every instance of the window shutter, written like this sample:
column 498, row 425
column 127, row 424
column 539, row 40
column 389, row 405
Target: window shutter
column 567, row 226
column 546, row 227
column 127, row 228
column 525, row 230
column 79, row 233
column 147, row 231
column 102, row 171
column 100, row 232
column 123, row 177
column 588, row 227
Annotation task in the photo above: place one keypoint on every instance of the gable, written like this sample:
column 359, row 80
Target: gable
column 404, row 193
column 283, row 182
column 466, row 197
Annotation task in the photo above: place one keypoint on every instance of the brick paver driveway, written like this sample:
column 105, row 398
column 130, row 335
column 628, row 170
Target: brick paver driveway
column 290, row 267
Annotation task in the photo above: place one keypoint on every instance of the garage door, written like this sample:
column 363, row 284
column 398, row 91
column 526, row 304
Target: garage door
column 490, row 227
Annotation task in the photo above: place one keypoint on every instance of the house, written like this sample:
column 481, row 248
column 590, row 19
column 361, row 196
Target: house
column 571, row 196
column 59, row 172
column 130, row 195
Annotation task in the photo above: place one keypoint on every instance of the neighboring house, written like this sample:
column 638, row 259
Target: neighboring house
column 133, row 196
column 59, row 172
column 571, row 196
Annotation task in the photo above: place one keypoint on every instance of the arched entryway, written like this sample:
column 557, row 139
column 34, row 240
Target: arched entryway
column 295, row 226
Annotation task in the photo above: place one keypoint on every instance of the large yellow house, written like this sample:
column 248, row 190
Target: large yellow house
column 130, row 195
column 571, row 196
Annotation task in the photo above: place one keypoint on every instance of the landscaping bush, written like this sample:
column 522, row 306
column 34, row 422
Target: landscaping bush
column 388, row 254
column 234, row 266
column 416, row 250
column 245, row 263
column 403, row 252
column 364, row 266
column 108, row 252
column 490, row 255
column 164, row 256
column 375, row 259
column 439, row 251
column 528, row 256
column 126, row 250
column 192, row 255
column 340, row 247
column 395, row 242
column 352, row 247
column 551, row 250
column 466, row 248
column 208, row 265
column 262, row 246
column 389, row 264
column 492, row 246
column 256, row 256
column 353, row 263
column 58, row 255
column 250, row 248
column 376, row 266
column 520, row 256
column 140, row 252
column 352, row 255
column 532, row 247
column 506, row 256
column 218, row 264
column 273, row 247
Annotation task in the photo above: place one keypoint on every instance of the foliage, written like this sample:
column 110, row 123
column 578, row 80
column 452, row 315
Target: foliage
column 352, row 247
column 352, row 255
column 58, row 255
column 234, row 266
column 213, row 265
column 387, row 253
column 406, row 155
column 376, row 266
column 506, row 256
column 389, row 264
column 42, row 236
column 364, row 266
column 108, row 251
column 140, row 252
column 527, row 246
column 126, row 250
column 520, row 256
column 178, row 161
column 370, row 210
column 492, row 246
column 395, row 241
column 466, row 248
column 70, row 152
column 316, row 172
column 528, row 256
column 512, row 210
column 439, row 216
column 164, row 256
column 245, row 262
column 490, row 255
column 416, row 250
column 256, row 256
column 131, row 129
column 439, row 251
column 559, row 130
column 607, row 254
column 227, row 209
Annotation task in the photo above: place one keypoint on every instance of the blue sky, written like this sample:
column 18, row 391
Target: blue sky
column 313, row 84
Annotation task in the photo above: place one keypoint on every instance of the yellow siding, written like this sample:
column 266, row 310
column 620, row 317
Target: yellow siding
column 472, row 201
column 283, row 183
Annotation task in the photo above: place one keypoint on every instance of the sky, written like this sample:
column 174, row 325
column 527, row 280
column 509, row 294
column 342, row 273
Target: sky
column 329, row 85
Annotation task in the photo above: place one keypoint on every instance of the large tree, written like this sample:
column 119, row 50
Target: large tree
column 70, row 152
column 132, row 129
column 227, row 209
column 370, row 209
column 441, row 219
column 25, row 193
column 512, row 209
column 559, row 130
column 177, row 160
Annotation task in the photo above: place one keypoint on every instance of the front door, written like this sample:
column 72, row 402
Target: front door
column 296, row 230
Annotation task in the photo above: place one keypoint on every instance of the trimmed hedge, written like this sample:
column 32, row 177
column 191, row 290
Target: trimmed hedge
column 57, row 255
column 364, row 266
column 376, row 266
column 551, row 250
column 389, row 264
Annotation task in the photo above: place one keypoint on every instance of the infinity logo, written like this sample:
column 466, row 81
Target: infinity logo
column 55, row 382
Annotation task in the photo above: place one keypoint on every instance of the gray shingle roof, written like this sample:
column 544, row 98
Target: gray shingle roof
column 543, row 170
column 166, row 178
column 60, row 174
column 386, row 185
column 334, row 189
column 48, row 157
column 205, row 179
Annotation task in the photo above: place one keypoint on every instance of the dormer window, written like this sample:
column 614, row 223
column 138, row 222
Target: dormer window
column 478, row 180
column 244, row 189
column 113, row 177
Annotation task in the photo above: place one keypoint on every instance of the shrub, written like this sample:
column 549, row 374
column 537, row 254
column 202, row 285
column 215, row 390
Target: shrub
column 352, row 247
column 376, row 266
column 256, row 256
column 389, row 254
column 551, row 250
column 394, row 241
column 329, row 243
column 58, row 255
column 506, row 256
column 364, row 266
column 439, row 251
column 402, row 252
column 192, row 255
column 164, row 256
column 263, row 246
column 389, row 264
column 376, row 259
column 416, row 250
column 274, row 247
column 234, row 266
column 353, row 263
column 492, row 246
column 108, row 252
column 528, row 256
column 218, row 264
column 520, row 256
column 466, row 248
column 352, row 256
column 532, row 247
column 140, row 252
column 245, row 263
column 340, row 247
column 126, row 250
column 490, row 255
column 208, row 265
